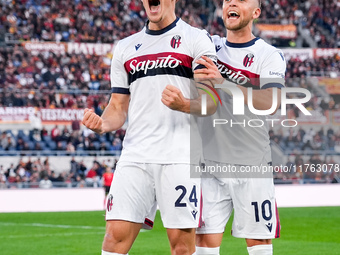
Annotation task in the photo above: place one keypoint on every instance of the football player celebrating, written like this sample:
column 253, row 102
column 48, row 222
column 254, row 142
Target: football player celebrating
column 247, row 62
column 155, row 162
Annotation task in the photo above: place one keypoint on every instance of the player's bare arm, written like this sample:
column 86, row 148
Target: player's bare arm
column 196, row 104
column 206, row 78
column 262, row 98
column 113, row 117
column 173, row 98
column 210, row 73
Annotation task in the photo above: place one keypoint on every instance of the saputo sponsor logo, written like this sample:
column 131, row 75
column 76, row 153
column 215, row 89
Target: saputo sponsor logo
column 149, row 64
column 236, row 77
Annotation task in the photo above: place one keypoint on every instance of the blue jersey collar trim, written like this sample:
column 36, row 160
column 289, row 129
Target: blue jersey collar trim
column 162, row 31
column 242, row 45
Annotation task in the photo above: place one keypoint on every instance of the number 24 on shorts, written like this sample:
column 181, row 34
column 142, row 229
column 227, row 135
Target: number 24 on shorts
column 192, row 197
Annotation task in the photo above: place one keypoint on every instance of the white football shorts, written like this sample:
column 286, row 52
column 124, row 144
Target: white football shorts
column 137, row 187
column 253, row 201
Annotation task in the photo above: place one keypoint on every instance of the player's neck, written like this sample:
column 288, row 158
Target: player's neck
column 161, row 24
column 239, row 36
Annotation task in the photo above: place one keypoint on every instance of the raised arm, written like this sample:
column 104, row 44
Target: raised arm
column 262, row 98
column 113, row 117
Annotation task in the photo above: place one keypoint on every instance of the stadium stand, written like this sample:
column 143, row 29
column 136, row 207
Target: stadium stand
column 55, row 56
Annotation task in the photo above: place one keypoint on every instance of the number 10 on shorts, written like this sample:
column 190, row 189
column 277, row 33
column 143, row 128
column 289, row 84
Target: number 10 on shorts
column 266, row 209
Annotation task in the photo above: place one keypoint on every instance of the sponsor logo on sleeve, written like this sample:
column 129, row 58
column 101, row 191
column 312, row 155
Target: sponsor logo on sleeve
column 281, row 75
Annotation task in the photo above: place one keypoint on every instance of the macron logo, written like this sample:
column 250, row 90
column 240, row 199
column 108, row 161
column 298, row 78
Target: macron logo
column 218, row 47
column 269, row 226
column 194, row 214
column 138, row 46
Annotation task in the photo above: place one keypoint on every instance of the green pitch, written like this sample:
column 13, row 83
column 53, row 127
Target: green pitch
column 304, row 231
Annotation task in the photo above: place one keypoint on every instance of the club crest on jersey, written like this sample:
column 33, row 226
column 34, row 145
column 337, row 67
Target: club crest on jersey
column 176, row 41
column 109, row 203
column 248, row 60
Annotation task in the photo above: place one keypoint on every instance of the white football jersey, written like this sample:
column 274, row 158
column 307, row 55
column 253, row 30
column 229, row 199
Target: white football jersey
column 255, row 64
column 142, row 66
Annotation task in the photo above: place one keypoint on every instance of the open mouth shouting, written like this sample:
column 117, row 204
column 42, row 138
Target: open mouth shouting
column 233, row 15
column 154, row 5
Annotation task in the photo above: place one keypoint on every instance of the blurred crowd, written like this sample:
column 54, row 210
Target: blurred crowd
column 301, row 169
column 313, row 67
column 39, row 173
column 322, row 20
column 310, row 139
column 107, row 21
column 319, row 17
column 65, row 140
column 71, row 20
column 96, row 21
column 21, row 70
column 313, row 154
column 318, row 104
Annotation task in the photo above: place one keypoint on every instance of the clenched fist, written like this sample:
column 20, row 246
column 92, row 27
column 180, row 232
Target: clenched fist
column 173, row 98
column 92, row 121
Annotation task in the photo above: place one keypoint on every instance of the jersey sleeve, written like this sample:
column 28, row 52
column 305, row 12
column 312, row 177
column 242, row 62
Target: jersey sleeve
column 273, row 71
column 203, row 46
column 118, row 75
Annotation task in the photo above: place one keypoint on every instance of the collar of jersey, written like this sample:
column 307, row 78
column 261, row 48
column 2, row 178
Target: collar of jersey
column 162, row 31
column 242, row 45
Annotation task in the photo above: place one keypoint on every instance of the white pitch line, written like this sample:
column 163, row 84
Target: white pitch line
column 54, row 226
column 49, row 225
column 50, row 235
